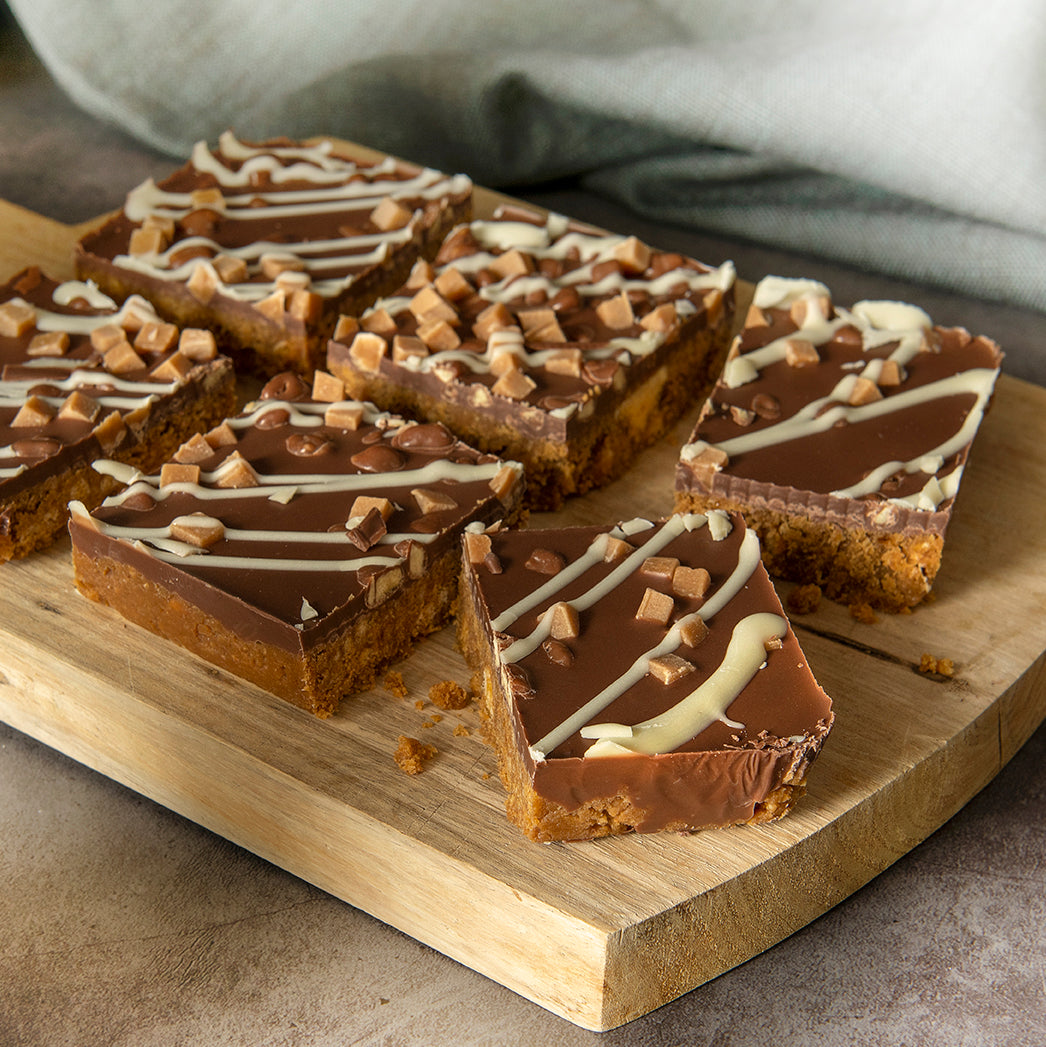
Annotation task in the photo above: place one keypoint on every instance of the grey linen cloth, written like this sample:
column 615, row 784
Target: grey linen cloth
column 906, row 136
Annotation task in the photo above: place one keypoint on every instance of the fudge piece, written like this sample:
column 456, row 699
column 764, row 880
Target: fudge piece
column 640, row 677
column 266, row 244
column 556, row 344
column 303, row 544
column 841, row 434
column 81, row 380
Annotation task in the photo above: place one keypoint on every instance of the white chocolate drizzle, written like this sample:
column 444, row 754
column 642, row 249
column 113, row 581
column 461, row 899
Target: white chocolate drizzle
column 745, row 655
column 435, row 471
column 120, row 394
column 593, row 555
column 331, row 192
column 161, row 536
column 748, row 561
column 159, row 543
column 879, row 323
column 550, row 241
column 134, row 312
column 156, row 543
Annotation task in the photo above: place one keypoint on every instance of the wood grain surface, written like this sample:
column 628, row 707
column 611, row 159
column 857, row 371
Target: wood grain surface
column 603, row 932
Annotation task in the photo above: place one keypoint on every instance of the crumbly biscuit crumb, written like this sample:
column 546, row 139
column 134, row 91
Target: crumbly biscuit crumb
column 804, row 599
column 411, row 755
column 394, row 684
column 932, row 665
column 449, row 695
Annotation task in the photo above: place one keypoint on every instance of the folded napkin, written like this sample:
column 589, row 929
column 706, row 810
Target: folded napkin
column 905, row 136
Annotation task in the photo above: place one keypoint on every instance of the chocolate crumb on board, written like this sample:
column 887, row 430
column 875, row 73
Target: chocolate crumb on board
column 449, row 695
column 411, row 755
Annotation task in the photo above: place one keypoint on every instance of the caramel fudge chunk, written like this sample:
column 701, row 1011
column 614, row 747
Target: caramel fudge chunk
column 622, row 695
column 303, row 544
column 555, row 344
column 81, row 380
column 842, row 435
column 267, row 244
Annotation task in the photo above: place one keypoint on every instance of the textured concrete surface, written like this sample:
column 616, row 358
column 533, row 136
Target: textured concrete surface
column 126, row 925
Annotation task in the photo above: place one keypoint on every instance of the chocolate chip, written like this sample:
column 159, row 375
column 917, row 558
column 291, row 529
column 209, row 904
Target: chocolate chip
column 285, row 387
column 567, row 298
column 766, row 406
column 558, row 652
column 273, row 419
column 600, row 372
column 429, row 438
column 306, row 445
column 378, row 458
column 662, row 262
column 36, row 447
column 201, row 222
column 608, row 267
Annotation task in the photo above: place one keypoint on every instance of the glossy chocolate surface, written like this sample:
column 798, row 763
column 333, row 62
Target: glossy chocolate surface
column 282, row 207
column 927, row 390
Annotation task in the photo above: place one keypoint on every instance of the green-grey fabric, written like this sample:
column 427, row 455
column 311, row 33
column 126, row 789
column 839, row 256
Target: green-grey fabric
column 905, row 136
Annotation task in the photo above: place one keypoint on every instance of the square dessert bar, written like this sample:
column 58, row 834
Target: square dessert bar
column 82, row 379
column 302, row 544
column 266, row 244
column 842, row 435
column 553, row 343
column 640, row 677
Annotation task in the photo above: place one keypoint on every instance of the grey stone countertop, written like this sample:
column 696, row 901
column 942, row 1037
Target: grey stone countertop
column 125, row 924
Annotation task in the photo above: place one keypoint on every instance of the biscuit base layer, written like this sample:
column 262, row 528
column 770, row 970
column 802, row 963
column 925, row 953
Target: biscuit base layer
column 316, row 679
column 889, row 571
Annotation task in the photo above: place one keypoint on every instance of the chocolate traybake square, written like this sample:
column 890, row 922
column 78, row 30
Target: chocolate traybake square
column 841, row 435
column 303, row 544
column 83, row 379
column 266, row 244
column 546, row 341
column 638, row 677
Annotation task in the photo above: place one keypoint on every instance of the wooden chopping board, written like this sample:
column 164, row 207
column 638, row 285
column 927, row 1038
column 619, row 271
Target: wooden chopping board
column 599, row 933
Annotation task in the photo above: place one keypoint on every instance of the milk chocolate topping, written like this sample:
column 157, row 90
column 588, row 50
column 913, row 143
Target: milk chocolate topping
column 279, row 214
column 534, row 320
